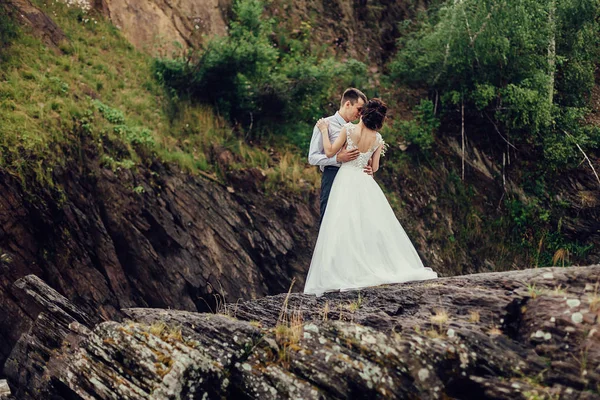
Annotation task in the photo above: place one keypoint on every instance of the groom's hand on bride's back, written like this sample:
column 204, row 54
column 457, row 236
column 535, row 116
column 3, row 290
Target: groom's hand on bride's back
column 344, row 155
column 368, row 168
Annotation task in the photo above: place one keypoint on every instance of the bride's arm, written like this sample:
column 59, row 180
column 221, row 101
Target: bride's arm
column 331, row 149
column 375, row 159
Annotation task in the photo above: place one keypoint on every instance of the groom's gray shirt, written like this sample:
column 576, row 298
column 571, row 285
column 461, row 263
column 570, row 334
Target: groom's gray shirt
column 316, row 153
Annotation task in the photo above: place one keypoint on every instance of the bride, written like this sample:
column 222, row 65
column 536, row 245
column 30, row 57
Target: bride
column 361, row 243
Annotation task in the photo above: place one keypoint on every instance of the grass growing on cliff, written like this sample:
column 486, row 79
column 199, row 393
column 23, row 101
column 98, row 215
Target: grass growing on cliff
column 97, row 93
column 289, row 328
column 47, row 98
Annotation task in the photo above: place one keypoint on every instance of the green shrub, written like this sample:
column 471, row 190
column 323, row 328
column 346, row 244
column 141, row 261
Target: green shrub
column 526, row 66
column 9, row 30
column 256, row 82
column 112, row 115
column 421, row 130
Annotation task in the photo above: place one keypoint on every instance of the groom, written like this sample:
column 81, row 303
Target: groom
column 350, row 107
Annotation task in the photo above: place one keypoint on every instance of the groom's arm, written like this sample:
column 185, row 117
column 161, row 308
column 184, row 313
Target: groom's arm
column 316, row 153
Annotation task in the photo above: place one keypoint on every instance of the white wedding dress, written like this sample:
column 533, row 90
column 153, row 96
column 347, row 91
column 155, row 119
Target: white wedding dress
column 361, row 243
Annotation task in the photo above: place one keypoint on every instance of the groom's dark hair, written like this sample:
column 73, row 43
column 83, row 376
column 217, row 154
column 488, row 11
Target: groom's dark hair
column 352, row 95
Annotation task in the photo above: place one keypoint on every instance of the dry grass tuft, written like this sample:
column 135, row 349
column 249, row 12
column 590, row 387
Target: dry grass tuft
column 354, row 306
column 534, row 291
column 222, row 307
column 587, row 199
column 559, row 291
column 440, row 318
column 174, row 333
column 434, row 334
column 582, row 360
column 474, row 224
column 326, row 309
column 594, row 299
column 256, row 324
column 494, row 331
column 289, row 329
column 561, row 255
column 291, row 173
column 157, row 328
column 165, row 332
column 474, row 317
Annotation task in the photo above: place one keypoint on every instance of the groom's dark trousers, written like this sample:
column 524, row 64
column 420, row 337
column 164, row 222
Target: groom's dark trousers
column 327, row 178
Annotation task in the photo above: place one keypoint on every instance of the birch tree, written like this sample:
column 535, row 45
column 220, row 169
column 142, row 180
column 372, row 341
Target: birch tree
column 526, row 67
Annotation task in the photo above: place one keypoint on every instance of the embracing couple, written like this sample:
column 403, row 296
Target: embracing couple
column 360, row 243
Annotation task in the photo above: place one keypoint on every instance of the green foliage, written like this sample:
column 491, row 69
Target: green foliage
column 560, row 145
column 528, row 65
column 536, row 231
column 48, row 114
column 112, row 115
column 109, row 162
column 524, row 215
column 9, row 30
column 46, row 107
column 139, row 190
column 140, row 137
column 420, row 131
column 257, row 82
column 555, row 241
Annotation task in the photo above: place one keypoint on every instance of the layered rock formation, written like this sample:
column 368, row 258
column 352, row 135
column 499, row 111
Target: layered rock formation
column 183, row 242
column 515, row 335
column 187, row 242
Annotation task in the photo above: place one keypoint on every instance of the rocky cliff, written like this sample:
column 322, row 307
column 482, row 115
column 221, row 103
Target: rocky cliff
column 363, row 30
column 149, row 237
column 514, row 335
column 165, row 26
column 180, row 241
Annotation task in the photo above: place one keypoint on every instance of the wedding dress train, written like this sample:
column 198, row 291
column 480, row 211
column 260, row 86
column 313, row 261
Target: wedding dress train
column 361, row 243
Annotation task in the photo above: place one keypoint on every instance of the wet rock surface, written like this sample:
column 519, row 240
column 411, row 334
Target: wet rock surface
column 511, row 335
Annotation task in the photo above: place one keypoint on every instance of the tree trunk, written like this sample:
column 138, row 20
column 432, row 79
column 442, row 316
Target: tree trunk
column 551, row 50
column 462, row 117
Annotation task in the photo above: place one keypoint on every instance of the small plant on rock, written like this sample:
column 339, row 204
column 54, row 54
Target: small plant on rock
column 326, row 311
column 594, row 299
column 474, row 317
column 289, row 329
column 354, row 306
column 440, row 318
column 533, row 291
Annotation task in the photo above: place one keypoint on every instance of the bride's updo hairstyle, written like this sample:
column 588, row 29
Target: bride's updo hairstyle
column 373, row 114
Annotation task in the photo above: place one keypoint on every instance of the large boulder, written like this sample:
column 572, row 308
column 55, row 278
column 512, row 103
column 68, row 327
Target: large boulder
column 512, row 335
